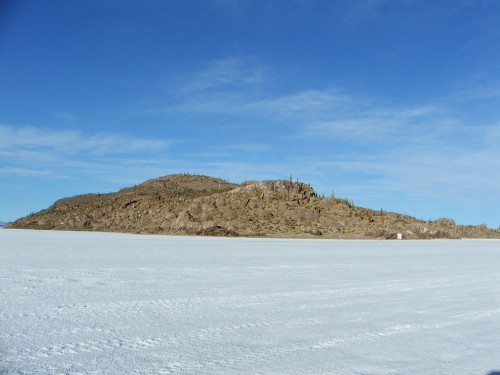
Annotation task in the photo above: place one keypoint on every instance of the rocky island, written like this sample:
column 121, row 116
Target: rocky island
column 185, row 204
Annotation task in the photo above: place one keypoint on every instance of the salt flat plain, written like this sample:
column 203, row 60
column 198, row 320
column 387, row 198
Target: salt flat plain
column 103, row 303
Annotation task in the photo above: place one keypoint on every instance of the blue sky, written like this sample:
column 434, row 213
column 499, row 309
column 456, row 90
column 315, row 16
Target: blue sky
column 394, row 104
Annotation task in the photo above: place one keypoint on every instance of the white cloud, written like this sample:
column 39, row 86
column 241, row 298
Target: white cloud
column 65, row 116
column 225, row 74
column 491, row 135
column 368, row 124
column 403, row 12
column 477, row 93
column 43, row 151
column 361, row 10
column 222, row 86
column 311, row 103
column 249, row 147
column 26, row 172
column 23, row 139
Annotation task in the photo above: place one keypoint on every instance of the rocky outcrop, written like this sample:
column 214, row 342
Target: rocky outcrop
column 201, row 205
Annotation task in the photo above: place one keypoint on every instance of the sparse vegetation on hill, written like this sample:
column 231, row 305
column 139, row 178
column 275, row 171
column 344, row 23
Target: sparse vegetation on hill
column 202, row 205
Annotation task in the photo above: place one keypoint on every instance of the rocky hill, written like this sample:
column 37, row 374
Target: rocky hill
column 202, row 205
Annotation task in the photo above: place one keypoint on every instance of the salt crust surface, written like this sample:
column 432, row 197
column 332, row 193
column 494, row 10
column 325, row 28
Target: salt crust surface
column 103, row 303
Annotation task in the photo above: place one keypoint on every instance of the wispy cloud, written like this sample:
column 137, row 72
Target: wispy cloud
column 24, row 172
column 310, row 103
column 54, row 151
column 228, row 73
column 72, row 142
column 220, row 86
column 371, row 124
column 477, row 93
column 407, row 12
column 65, row 116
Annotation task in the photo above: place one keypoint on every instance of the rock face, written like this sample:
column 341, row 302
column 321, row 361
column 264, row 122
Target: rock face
column 201, row 205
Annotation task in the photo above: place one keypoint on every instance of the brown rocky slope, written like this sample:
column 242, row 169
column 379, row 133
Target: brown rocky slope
column 202, row 205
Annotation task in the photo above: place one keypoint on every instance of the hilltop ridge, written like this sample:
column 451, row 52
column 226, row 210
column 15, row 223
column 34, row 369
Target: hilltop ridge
column 202, row 205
